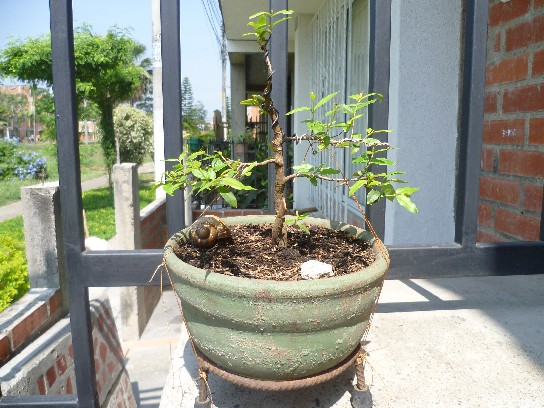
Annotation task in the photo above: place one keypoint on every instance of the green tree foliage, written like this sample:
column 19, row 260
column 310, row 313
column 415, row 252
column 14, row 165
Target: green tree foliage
column 12, row 106
column 134, row 131
column 193, row 113
column 13, row 274
column 105, row 71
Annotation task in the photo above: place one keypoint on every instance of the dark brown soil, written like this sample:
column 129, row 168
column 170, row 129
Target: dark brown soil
column 250, row 253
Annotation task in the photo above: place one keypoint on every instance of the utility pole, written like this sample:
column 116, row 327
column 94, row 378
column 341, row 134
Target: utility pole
column 224, row 80
column 158, row 130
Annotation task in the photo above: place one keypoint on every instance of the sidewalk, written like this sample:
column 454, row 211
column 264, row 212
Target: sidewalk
column 14, row 209
column 463, row 342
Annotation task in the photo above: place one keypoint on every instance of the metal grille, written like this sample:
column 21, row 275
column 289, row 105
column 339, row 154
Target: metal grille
column 339, row 41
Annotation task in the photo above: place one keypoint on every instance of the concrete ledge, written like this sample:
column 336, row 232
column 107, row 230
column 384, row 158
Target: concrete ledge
column 469, row 342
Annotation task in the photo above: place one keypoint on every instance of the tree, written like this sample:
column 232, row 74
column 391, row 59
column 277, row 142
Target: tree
column 134, row 132
column 193, row 113
column 105, row 71
column 12, row 106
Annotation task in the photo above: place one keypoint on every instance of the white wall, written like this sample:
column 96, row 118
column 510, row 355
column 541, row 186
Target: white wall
column 303, row 59
column 423, row 111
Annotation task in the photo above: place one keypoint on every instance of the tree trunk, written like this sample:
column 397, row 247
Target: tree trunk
column 108, row 136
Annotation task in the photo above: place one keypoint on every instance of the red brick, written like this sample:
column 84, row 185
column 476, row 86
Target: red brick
column 61, row 364
column 111, row 367
column 103, row 352
column 504, row 131
column 521, row 163
column 96, row 365
column 503, row 191
column 490, row 102
column 497, row 43
column 54, row 302
column 5, row 349
column 526, row 33
column 502, row 12
column 538, row 63
column 488, row 159
column 539, row 3
column 482, row 236
column 508, row 70
column 526, row 99
column 533, row 197
column 71, row 351
column 51, row 376
column 485, row 212
column 41, row 385
column 29, row 325
column 536, row 131
column 69, row 386
column 517, row 225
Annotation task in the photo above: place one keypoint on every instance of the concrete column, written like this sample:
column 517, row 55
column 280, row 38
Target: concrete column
column 43, row 237
column 303, row 59
column 238, row 94
column 158, row 130
column 424, row 113
column 127, row 205
column 128, row 306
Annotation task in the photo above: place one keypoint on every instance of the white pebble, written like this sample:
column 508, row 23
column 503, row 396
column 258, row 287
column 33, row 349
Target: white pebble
column 314, row 269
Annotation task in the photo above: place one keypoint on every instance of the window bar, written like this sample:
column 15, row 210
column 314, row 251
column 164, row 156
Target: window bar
column 472, row 113
column 171, row 88
column 62, row 45
column 378, row 81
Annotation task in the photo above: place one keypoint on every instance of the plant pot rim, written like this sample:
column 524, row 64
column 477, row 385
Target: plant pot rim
column 247, row 287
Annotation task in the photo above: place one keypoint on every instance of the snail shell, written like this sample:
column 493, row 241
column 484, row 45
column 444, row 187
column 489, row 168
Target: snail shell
column 207, row 230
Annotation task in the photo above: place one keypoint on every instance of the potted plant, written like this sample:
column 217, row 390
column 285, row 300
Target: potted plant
column 240, row 145
column 281, row 327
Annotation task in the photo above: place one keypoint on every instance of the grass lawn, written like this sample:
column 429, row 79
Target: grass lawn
column 91, row 160
column 98, row 205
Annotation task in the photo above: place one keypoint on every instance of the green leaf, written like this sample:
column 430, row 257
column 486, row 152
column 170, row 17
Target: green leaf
column 325, row 171
column 356, row 186
column 302, row 108
column 325, row 100
column 303, row 227
column 313, row 180
column 406, row 190
column 169, row 189
column 228, row 196
column 407, row 203
column 303, row 168
column 372, row 197
column 236, row 184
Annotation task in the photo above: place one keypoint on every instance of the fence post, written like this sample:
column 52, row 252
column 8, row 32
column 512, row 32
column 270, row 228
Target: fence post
column 129, row 305
column 43, row 238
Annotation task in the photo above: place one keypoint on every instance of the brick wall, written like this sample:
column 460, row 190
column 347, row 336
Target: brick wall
column 511, row 182
column 153, row 225
column 26, row 319
column 47, row 366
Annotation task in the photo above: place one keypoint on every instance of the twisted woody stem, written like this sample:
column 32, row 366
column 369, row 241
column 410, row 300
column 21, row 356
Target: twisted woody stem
column 279, row 231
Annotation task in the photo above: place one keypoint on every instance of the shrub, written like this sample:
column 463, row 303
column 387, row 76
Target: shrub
column 134, row 130
column 13, row 271
column 15, row 164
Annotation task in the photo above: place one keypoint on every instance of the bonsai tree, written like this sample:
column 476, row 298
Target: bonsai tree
column 336, row 131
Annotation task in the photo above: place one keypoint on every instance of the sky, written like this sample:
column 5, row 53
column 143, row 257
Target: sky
column 199, row 52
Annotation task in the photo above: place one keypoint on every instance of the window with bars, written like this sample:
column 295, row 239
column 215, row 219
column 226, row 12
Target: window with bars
column 340, row 44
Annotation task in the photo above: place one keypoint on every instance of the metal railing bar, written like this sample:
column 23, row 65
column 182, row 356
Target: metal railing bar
column 39, row 401
column 171, row 88
column 121, row 268
column 62, row 47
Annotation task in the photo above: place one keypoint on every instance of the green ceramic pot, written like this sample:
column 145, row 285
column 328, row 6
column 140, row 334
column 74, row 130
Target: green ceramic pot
column 271, row 330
